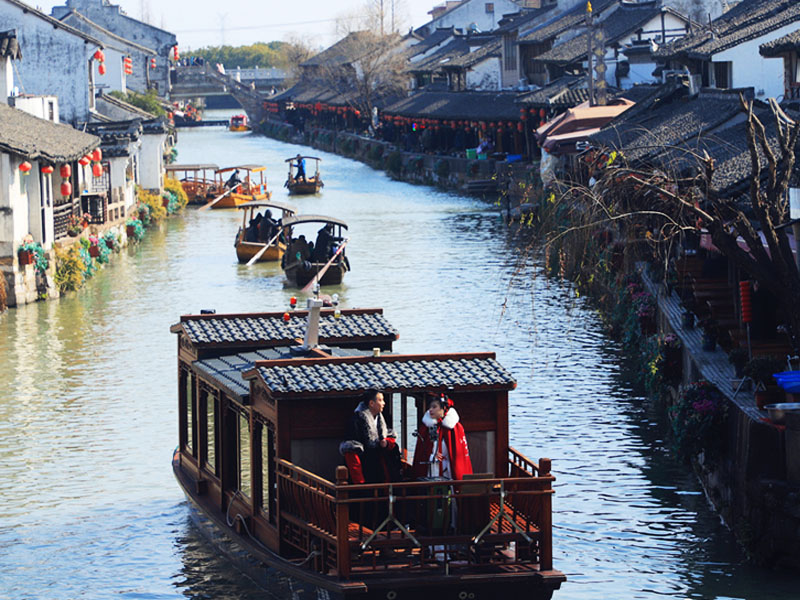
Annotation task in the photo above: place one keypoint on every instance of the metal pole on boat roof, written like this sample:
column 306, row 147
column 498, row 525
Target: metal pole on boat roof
column 312, row 324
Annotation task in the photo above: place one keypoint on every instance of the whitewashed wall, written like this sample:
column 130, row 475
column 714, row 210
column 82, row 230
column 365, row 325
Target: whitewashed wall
column 54, row 61
column 152, row 161
column 474, row 11
column 20, row 209
column 484, row 76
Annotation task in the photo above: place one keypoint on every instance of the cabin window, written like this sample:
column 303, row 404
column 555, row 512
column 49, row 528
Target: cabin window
column 210, row 408
column 244, row 455
column 188, row 418
column 266, row 443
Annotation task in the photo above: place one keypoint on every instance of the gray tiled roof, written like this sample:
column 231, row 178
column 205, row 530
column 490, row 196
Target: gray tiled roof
column 227, row 371
column 571, row 19
column 748, row 20
column 626, row 20
column 787, row 43
column 35, row 138
column 488, row 106
column 270, row 329
column 389, row 373
column 569, row 90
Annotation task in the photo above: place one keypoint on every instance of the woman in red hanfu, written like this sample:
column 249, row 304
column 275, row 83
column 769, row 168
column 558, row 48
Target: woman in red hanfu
column 442, row 450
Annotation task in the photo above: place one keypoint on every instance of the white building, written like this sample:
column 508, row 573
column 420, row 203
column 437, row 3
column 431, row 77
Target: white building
column 470, row 15
column 58, row 60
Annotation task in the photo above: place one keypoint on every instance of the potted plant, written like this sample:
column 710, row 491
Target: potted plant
column 670, row 349
column 74, row 226
column 709, row 327
column 111, row 240
column 645, row 307
column 761, row 370
column 94, row 251
column 25, row 254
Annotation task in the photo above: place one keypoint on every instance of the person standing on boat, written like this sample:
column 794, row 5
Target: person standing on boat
column 301, row 168
column 233, row 180
column 442, row 449
column 267, row 228
column 372, row 446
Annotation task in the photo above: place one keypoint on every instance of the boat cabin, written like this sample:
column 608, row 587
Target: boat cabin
column 262, row 233
column 198, row 181
column 321, row 259
column 303, row 183
column 261, row 418
column 252, row 185
column 239, row 123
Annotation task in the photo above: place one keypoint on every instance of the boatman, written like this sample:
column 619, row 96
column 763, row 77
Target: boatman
column 234, row 180
column 301, row 168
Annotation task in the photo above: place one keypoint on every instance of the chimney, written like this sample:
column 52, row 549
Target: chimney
column 311, row 340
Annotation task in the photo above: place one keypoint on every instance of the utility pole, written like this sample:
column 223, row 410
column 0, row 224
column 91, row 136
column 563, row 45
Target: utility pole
column 590, row 52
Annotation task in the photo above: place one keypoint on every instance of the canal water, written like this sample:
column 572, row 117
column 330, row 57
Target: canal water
column 88, row 398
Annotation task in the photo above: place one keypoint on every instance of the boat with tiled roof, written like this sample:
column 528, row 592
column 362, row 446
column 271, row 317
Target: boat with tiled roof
column 264, row 401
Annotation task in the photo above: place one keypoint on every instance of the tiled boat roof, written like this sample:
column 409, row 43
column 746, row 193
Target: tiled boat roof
column 420, row 372
column 270, row 329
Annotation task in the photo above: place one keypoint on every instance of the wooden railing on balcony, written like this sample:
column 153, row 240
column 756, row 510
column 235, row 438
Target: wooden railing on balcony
column 481, row 523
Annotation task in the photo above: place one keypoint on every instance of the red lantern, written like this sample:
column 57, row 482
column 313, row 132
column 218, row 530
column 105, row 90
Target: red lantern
column 152, row 63
column 25, row 166
column 97, row 169
column 746, row 300
column 286, row 317
column 84, row 160
column 98, row 55
column 293, row 302
column 175, row 53
column 66, row 171
column 519, row 127
column 101, row 69
column 542, row 113
column 47, row 169
column 97, row 155
column 66, row 189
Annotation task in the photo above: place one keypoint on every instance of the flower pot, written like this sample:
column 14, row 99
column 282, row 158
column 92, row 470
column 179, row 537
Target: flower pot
column 74, row 231
column 109, row 244
column 26, row 257
column 130, row 230
column 94, row 251
column 688, row 320
column 165, row 202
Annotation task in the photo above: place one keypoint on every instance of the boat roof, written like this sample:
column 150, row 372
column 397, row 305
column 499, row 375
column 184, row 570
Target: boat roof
column 253, row 168
column 309, row 157
column 198, row 167
column 269, row 329
column 296, row 220
column 227, row 371
column 392, row 373
column 269, row 204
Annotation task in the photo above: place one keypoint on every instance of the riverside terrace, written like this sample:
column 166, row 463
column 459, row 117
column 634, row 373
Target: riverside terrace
column 261, row 419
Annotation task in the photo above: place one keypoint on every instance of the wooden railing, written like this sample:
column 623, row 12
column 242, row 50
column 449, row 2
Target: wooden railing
column 463, row 525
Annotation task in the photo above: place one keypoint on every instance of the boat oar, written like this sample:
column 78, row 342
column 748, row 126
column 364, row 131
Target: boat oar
column 321, row 272
column 218, row 198
column 264, row 249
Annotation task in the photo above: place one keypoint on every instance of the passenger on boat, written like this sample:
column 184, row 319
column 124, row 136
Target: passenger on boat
column 322, row 247
column 267, row 228
column 251, row 235
column 442, row 449
column 301, row 168
column 371, row 454
column 299, row 250
column 233, row 180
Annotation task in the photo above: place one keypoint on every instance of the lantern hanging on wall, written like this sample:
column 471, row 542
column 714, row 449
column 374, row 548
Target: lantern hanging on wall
column 98, row 55
column 66, row 189
column 97, row 169
column 25, row 167
column 152, row 63
column 65, row 171
column 175, row 52
column 84, row 160
column 48, row 169
column 101, row 69
column 97, row 155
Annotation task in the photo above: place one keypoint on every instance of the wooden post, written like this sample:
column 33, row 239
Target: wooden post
column 546, row 526
column 342, row 523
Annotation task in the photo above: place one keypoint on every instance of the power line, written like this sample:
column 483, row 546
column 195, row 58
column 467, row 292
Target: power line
column 261, row 26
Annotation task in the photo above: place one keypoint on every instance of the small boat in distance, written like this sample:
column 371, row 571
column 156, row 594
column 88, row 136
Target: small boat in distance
column 198, row 181
column 323, row 260
column 247, row 188
column 239, row 123
column 246, row 250
column 303, row 184
column 264, row 401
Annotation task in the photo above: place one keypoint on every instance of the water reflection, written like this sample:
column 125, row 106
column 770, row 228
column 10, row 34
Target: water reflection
column 88, row 422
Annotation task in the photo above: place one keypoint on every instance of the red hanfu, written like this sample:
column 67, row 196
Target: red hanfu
column 450, row 441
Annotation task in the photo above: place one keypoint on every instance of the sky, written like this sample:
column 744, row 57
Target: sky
column 240, row 22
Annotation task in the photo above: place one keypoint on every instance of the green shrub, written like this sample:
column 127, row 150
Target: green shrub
column 70, row 268
column 174, row 186
column 138, row 228
column 697, row 419
column 394, row 163
column 376, row 152
column 442, row 168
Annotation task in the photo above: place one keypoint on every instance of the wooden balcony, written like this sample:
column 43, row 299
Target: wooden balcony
column 486, row 524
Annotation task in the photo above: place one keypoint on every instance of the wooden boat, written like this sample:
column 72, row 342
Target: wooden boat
column 251, row 188
column 198, row 181
column 260, row 421
column 239, row 123
column 247, row 250
column 301, row 266
column 306, row 185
